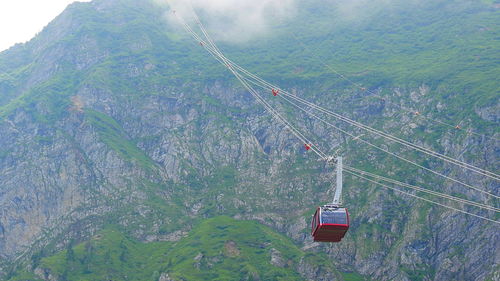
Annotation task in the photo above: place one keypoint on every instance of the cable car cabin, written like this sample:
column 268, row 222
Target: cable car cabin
column 329, row 224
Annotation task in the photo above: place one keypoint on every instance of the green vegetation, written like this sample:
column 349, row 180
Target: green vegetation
column 25, row 276
column 352, row 276
column 232, row 250
column 419, row 274
column 109, row 255
column 219, row 248
column 48, row 101
column 447, row 45
column 450, row 46
column 112, row 134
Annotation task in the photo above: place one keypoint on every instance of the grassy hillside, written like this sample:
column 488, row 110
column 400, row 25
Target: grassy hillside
column 219, row 248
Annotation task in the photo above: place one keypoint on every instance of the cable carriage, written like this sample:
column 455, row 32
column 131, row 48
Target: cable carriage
column 331, row 222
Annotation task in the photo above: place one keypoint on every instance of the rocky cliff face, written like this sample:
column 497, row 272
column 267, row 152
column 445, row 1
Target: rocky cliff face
column 91, row 137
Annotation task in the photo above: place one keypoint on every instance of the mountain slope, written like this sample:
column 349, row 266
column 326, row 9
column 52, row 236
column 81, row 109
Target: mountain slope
column 112, row 117
column 219, row 248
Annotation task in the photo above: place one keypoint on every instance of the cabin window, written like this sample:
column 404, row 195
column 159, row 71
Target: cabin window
column 335, row 217
column 340, row 217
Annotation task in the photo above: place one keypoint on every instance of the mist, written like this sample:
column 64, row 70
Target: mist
column 238, row 21
column 235, row 21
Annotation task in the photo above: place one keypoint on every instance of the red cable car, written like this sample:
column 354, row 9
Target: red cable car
column 329, row 224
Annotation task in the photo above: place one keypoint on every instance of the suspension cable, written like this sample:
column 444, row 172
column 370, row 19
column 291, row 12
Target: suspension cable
column 231, row 66
column 275, row 114
column 358, row 138
column 417, row 188
column 259, row 82
column 359, row 86
column 421, row 198
column 270, row 86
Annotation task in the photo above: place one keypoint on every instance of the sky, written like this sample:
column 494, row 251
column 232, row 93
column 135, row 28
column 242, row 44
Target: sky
column 20, row 20
column 230, row 20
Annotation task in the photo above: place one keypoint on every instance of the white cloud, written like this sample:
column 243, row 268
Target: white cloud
column 20, row 20
column 236, row 20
